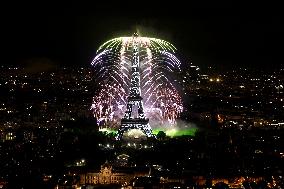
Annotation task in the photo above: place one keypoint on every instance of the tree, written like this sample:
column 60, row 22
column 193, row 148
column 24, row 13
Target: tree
column 161, row 135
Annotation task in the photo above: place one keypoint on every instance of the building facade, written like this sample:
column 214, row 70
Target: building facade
column 108, row 175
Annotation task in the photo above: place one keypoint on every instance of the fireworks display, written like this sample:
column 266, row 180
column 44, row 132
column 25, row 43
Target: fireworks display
column 162, row 103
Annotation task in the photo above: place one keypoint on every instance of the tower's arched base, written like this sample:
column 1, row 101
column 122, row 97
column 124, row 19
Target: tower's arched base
column 128, row 124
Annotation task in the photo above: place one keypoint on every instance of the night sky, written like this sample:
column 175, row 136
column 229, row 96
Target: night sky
column 69, row 34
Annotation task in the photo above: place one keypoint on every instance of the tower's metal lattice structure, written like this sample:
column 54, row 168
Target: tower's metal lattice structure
column 134, row 117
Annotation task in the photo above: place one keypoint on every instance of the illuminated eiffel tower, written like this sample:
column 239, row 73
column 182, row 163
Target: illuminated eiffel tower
column 134, row 117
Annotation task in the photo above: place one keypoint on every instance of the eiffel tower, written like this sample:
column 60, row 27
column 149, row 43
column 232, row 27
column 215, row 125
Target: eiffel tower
column 134, row 117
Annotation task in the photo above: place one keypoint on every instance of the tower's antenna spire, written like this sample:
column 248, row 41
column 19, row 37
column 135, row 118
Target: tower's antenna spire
column 136, row 34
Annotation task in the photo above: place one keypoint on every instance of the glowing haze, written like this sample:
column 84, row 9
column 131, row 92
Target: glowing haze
column 162, row 102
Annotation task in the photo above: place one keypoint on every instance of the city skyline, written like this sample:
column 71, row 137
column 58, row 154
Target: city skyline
column 232, row 133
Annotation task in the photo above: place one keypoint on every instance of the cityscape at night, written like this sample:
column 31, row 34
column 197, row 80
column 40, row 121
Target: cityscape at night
column 193, row 102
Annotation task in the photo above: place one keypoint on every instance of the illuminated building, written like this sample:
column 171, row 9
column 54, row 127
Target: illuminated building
column 134, row 117
column 108, row 175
